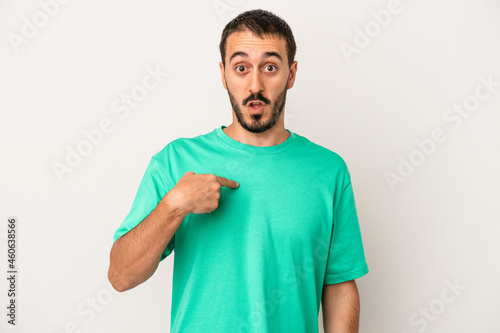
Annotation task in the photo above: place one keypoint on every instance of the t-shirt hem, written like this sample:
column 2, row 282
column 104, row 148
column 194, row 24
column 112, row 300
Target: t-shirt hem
column 343, row 277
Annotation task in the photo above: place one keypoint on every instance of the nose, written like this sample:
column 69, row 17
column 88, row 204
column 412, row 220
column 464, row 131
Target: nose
column 255, row 84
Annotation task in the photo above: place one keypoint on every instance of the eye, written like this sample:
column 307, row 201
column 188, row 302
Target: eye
column 240, row 69
column 271, row 68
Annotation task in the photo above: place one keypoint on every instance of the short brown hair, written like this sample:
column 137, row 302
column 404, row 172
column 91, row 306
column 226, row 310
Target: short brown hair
column 261, row 23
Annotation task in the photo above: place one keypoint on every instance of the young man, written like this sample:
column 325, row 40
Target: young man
column 262, row 220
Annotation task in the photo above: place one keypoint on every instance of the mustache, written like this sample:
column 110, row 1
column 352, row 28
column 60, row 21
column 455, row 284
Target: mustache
column 256, row 97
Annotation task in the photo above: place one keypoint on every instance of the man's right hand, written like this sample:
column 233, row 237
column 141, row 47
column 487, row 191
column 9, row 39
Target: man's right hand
column 198, row 193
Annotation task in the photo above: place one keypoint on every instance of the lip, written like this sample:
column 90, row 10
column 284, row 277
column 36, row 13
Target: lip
column 256, row 110
column 255, row 101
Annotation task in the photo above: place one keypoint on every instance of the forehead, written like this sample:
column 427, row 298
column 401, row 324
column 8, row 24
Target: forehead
column 254, row 46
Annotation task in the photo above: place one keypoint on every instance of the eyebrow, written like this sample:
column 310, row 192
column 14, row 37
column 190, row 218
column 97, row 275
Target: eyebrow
column 265, row 55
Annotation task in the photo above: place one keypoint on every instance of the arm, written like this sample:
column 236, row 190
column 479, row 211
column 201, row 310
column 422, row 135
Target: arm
column 340, row 303
column 135, row 256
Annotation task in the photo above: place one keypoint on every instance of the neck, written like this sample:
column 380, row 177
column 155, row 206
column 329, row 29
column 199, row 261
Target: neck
column 274, row 136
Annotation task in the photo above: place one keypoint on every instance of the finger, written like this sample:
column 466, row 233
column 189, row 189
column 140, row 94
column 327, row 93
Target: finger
column 188, row 173
column 227, row 182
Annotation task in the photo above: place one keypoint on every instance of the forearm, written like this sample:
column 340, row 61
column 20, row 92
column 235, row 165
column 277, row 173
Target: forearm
column 341, row 307
column 135, row 256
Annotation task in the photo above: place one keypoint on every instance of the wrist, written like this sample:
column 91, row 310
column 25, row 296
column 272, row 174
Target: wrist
column 174, row 205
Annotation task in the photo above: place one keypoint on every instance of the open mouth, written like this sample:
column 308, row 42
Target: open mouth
column 255, row 106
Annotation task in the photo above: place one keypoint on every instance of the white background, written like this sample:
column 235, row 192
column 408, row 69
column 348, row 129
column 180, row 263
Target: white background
column 440, row 225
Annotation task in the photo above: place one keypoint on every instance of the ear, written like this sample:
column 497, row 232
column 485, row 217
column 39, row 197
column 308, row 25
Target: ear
column 221, row 65
column 293, row 73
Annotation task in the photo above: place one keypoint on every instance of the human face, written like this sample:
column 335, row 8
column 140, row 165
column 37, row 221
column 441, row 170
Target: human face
column 257, row 71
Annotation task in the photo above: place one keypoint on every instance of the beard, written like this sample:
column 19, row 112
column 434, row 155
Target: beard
column 259, row 122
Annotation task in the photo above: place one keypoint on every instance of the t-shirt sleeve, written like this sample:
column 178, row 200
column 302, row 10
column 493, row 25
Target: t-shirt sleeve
column 346, row 258
column 151, row 191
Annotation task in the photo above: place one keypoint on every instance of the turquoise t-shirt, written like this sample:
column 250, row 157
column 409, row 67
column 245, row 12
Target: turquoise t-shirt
column 258, row 262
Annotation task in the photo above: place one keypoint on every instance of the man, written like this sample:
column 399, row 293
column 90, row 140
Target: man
column 262, row 220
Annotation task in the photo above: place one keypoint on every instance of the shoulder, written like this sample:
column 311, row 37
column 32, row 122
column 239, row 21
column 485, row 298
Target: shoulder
column 180, row 146
column 323, row 154
column 325, row 163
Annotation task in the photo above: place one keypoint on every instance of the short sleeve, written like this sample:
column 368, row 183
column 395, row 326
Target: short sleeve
column 151, row 191
column 346, row 258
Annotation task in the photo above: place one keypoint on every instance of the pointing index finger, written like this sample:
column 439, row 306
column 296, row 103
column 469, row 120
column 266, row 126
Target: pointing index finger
column 227, row 182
